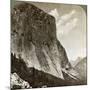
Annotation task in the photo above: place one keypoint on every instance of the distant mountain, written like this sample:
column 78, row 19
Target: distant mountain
column 80, row 65
column 75, row 62
column 81, row 68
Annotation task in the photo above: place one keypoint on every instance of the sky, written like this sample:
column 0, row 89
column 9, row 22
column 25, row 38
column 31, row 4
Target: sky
column 70, row 26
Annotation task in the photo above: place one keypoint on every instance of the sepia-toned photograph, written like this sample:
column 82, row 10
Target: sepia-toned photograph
column 48, row 45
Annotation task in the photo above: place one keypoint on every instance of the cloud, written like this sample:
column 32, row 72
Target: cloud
column 64, row 23
column 63, row 18
column 54, row 13
column 64, row 29
column 66, row 17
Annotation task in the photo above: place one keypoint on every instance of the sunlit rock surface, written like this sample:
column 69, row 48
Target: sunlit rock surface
column 17, row 82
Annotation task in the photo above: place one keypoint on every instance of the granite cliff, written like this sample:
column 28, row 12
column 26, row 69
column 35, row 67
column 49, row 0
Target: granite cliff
column 33, row 38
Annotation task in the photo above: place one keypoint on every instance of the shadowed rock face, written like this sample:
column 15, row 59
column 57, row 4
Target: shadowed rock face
column 33, row 37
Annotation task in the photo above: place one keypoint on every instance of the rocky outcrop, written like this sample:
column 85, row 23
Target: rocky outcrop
column 17, row 82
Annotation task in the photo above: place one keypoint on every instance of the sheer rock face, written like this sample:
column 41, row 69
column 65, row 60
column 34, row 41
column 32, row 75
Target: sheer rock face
column 33, row 37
